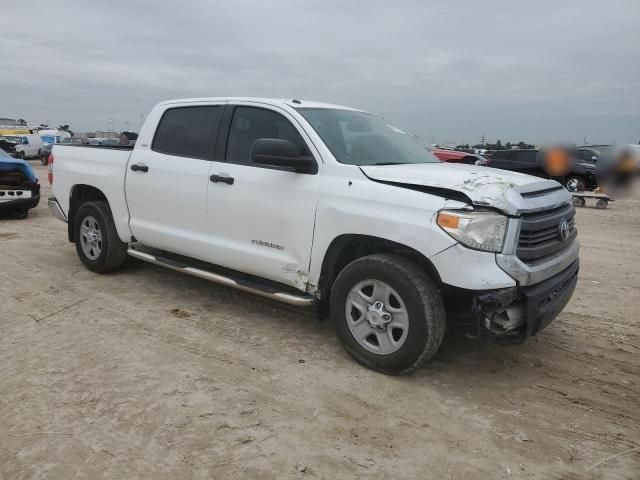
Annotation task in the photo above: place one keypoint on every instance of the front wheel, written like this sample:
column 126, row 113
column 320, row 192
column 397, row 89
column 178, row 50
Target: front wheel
column 97, row 242
column 388, row 313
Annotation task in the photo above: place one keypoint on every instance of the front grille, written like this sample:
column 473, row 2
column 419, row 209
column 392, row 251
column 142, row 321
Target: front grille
column 540, row 233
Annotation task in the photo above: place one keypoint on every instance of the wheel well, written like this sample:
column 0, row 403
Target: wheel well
column 347, row 248
column 81, row 194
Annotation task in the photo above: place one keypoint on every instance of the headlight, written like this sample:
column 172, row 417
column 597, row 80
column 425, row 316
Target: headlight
column 479, row 230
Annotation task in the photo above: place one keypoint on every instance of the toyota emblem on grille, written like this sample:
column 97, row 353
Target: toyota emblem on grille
column 564, row 229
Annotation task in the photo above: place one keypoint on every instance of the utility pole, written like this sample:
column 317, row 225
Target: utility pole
column 482, row 140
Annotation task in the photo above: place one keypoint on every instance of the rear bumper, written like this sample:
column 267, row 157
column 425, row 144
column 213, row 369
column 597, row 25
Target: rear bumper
column 20, row 204
column 512, row 315
column 56, row 209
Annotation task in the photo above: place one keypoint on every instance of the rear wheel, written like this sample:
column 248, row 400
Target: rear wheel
column 97, row 242
column 578, row 202
column 388, row 313
column 602, row 203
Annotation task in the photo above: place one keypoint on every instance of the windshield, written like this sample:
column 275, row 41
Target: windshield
column 11, row 138
column 358, row 138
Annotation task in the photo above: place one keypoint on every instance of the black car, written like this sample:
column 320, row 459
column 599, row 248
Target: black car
column 44, row 153
column 581, row 177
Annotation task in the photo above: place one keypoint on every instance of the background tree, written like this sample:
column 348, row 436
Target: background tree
column 65, row 128
column 524, row 145
column 21, row 122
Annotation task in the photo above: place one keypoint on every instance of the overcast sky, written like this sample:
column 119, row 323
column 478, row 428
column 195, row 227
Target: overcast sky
column 539, row 71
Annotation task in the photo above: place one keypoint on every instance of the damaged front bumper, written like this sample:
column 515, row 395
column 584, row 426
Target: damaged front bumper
column 511, row 315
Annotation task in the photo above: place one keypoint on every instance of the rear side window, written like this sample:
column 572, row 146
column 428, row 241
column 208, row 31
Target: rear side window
column 187, row 131
column 250, row 124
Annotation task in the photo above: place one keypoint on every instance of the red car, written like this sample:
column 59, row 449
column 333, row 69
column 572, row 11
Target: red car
column 454, row 156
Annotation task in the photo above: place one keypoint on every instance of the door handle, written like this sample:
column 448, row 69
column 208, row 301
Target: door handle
column 136, row 167
column 223, row 179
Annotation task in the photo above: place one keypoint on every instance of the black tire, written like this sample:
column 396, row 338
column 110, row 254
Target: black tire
column 579, row 182
column 578, row 202
column 113, row 251
column 423, row 301
column 602, row 203
column 43, row 160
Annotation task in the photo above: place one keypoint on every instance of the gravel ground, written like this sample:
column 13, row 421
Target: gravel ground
column 146, row 373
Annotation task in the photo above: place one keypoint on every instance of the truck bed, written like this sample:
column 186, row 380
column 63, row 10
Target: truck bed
column 102, row 167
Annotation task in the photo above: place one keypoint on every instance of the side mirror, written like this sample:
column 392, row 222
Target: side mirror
column 282, row 154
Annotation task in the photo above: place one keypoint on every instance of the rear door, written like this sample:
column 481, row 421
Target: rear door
column 166, row 184
column 263, row 222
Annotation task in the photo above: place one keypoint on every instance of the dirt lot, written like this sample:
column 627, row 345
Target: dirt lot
column 149, row 374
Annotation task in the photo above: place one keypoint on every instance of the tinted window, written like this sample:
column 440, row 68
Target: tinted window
column 187, row 131
column 527, row 156
column 251, row 123
column 587, row 156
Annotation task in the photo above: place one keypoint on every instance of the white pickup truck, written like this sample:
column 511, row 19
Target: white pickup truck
column 309, row 203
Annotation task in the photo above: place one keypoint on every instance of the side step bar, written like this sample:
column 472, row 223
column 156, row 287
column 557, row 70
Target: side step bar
column 301, row 300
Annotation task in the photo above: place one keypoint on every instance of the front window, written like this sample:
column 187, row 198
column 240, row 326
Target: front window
column 252, row 123
column 359, row 138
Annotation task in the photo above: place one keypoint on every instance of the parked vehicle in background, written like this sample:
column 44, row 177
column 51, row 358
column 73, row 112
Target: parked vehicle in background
column 53, row 135
column 635, row 150
column 592, row 154
column 49, row 138
column 581, row 177
column 19, row 187
column 73, row 141
column 306, row 203
column 454, row 156
column 104, row 141
column 8, row 143
column 27, row 146
column 128, row 138
column 45, row 151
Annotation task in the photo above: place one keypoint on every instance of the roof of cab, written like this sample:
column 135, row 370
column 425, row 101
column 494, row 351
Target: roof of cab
column 294, row 103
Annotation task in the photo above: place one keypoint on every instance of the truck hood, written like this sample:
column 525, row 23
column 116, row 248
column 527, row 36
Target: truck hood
column 509, row 192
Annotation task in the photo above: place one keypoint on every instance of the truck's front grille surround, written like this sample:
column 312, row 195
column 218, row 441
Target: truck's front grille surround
column 540, row 233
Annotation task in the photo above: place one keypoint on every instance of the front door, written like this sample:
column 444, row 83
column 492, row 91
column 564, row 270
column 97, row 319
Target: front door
column 263, row 222
column 166, row 184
